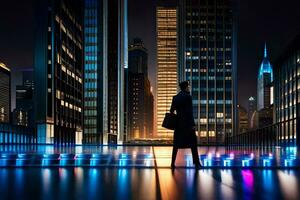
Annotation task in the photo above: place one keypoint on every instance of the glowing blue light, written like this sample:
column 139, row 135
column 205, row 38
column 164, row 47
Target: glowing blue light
column 95, row 155
column 266, row 162
column 50, row 159
column 124, row 156
column 66, row 159
column 227, row 162
column 207, row 162
column 188, row 161
column 23, row 159
column 123, row 162
column 149, row 156
column 95, row 160
column 246, row 163
column 288, row 162
column 82, row 159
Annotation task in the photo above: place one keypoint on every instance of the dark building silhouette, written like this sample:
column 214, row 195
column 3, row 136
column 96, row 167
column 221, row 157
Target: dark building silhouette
column 207, row 58
column 23, row 114
column 287, row 93
column 251, row 109
column 242, row 119
column 265, row 116
column 140, row 98
column 4, row 94
column 58, row 71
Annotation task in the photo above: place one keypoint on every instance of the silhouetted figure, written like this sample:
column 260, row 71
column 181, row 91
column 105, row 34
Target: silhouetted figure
column 184, row 133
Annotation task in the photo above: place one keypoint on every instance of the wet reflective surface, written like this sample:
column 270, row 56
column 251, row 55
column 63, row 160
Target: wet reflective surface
column 159, row 183
column 135, row 172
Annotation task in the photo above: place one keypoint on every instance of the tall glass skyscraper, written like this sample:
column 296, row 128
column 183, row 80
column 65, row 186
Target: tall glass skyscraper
column 287, row 94
column 167, row 80
column 4, row 93
column 207, row 53
column 58, row 71
column 105, row 26
column 264, row 80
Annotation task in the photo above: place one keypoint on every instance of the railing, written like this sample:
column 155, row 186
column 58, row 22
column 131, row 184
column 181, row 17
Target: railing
column 12, row 134
column 278, row 134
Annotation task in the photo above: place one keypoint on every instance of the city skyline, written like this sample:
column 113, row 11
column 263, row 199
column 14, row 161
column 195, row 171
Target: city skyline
column 195, row 41
column 259, row 27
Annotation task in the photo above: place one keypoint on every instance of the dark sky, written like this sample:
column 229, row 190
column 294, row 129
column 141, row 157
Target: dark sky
column 275, row 22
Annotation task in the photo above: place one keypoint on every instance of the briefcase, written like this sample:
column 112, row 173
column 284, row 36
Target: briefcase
column 170, row 121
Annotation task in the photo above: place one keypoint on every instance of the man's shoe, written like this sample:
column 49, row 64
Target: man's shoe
column 198, row 166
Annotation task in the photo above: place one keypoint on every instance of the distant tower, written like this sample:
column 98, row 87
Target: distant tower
column 251, row 109
column 264, row 80
column 140, row 98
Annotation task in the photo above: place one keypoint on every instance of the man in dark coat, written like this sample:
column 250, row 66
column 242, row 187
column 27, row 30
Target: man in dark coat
column 184, row 133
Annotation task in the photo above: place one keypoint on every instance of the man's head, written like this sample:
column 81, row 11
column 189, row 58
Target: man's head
column 184, row 86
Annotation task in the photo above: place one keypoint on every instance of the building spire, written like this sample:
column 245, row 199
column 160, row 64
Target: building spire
column 265, row 51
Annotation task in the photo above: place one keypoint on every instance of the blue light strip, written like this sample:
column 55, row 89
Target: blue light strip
column 144, row 160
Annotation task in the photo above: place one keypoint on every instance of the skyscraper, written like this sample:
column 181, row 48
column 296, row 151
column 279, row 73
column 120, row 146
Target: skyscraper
column 105, row 27
column 207, row 58
column 287, row 94
column 59, row 71
column 95, row 72
column 117, row 61
column 140, row 98
column 4, row 93
column 264, row 80
column 251, row 109
column 166, row 30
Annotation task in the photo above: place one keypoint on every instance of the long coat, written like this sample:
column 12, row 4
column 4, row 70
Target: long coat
column 184, row 133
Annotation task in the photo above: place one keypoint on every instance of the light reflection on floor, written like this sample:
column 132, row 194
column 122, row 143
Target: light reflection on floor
column 131, row 172
column 162, row 183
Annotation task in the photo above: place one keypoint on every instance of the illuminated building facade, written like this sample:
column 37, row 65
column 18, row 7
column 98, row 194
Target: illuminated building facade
column 167, row 79
column 287, row 93
column 105, row 58
column 95, row 83
column 58, row 72
column 140, row 98
column 4, row 93
column 207, row 58
column 264, row 81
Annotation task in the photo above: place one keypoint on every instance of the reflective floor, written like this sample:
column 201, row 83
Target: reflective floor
column 158, row 183
column 131, row 172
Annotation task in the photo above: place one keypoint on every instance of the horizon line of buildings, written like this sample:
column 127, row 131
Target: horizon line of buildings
column 91, row 87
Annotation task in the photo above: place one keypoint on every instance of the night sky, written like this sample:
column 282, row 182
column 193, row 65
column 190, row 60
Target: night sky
column 276, row 22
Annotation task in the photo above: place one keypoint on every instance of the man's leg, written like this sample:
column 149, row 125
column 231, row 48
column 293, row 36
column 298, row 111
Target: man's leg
column 195, row 155
column 174, row 154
